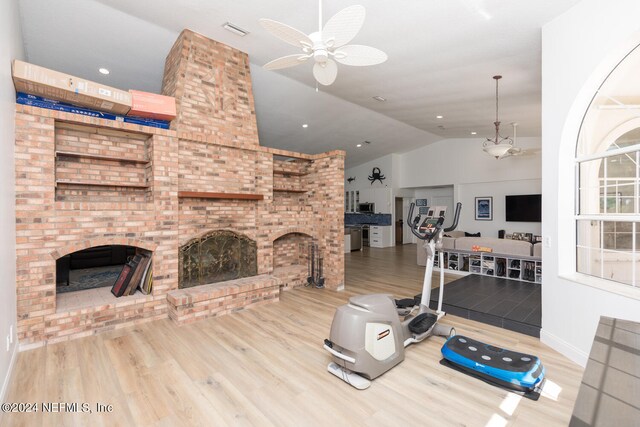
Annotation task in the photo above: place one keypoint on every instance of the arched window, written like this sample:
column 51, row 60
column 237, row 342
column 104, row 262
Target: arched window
column 608, row 177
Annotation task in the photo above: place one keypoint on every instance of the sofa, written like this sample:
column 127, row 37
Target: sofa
column 457, row 240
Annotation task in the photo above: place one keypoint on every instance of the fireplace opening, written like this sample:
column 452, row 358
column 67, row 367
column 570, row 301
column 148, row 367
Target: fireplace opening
column 92, row 268
column 291, row 259
column 217, row 256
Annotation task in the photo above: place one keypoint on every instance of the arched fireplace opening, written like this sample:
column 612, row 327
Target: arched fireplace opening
column 92, row 268
column 217, row 256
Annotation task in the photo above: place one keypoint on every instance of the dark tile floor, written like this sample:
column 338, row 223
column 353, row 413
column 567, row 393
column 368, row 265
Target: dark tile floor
column 509, row 304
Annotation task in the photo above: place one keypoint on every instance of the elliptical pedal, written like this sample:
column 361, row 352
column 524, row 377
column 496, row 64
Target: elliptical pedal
column 422, row 323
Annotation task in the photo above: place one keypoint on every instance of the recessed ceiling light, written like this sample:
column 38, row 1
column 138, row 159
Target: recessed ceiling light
column 235, row 29
column 379, row 98
column 439, row 117
column 474, row 133
column 305, row 125
column 103, row 70
column 358, row 145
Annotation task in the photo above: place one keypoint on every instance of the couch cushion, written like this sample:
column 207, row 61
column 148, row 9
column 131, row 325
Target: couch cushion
column 454, row 233
column 499, row 246
column 448, row 243
column 537, row 250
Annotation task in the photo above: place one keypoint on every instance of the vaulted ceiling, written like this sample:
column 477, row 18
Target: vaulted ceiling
column 442, row 56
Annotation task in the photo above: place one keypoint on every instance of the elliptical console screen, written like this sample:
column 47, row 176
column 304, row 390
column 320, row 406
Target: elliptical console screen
column 429, row 224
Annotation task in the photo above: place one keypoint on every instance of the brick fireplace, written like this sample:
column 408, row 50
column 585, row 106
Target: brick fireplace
column 83, row 182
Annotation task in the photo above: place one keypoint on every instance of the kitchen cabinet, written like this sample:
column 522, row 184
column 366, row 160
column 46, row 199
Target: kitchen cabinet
column 380, row 196
column 380, row 236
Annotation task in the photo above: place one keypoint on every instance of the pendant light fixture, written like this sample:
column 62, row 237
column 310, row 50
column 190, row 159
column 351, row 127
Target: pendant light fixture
column 498, row 146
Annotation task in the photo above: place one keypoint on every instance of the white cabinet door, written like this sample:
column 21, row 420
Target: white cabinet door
column 366, row 196
column 382, row 199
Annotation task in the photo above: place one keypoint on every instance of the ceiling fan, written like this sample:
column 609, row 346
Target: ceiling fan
column 517, row 151
column 326, row 46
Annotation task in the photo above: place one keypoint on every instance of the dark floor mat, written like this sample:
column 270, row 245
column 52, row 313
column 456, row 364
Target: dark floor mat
column 510, row 304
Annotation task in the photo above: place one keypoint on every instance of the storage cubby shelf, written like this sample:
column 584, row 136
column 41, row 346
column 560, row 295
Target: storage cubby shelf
column 209, row 195
column 100, row 157
column 99, row 184
column 514, row 267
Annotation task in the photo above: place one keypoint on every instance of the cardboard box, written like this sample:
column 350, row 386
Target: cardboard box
column 51, row 104
column 40, row 81
column 152, row 106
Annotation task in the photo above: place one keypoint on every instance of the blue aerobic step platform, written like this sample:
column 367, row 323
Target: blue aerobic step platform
column 518, row 372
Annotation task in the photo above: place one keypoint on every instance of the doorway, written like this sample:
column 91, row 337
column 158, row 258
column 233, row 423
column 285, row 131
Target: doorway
column 399, row 212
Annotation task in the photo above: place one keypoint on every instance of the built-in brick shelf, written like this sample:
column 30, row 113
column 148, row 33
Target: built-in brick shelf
column 100, row 157
column 228, row 196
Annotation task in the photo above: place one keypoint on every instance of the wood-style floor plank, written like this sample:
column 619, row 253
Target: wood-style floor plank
column 266, row 367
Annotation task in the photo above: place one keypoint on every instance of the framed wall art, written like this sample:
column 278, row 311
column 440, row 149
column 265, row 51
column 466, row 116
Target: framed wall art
column 484, row 208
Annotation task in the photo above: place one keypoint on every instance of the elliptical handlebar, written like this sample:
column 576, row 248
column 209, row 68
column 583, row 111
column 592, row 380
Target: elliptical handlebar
column 456, row 217
column 430, row 234
column 414, row 224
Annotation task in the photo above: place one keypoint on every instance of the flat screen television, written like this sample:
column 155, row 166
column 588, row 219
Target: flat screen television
column 524, row 208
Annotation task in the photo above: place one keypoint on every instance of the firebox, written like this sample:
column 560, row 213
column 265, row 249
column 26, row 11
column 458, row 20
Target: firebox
column 216, row 257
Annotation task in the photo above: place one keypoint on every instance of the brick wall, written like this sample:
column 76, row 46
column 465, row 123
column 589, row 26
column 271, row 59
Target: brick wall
column 212, row 86
column 63, row 204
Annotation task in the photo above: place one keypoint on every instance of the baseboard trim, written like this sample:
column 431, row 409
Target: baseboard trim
column 572, row 353
column 7, row 378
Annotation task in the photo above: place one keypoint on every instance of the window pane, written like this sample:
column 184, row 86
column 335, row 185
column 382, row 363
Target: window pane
column 588, row 262
column 591, row 188
column 618, row 266
column 617, row 235
column 617, row 177
column 589, row 233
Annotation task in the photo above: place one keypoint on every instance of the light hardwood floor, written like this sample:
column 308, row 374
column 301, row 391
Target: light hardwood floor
column 266, row 367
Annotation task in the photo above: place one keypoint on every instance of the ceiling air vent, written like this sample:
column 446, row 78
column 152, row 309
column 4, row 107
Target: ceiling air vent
column 235, row 29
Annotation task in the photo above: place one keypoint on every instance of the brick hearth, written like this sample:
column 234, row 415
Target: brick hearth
column 83, row 182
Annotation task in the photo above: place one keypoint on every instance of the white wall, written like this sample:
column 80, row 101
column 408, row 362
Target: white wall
column 363, row 171
column 473, row 173
column 467, row 194
column 434, row 195
column 10, row 48
column 579, row 49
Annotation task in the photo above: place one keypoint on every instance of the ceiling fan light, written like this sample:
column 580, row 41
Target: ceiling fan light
column 497, row 150
column 498, row 146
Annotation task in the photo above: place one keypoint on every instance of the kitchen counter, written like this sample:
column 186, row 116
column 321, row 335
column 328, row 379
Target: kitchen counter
column 366, row 218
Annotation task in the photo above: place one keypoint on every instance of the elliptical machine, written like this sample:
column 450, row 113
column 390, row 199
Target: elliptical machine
column 367, row 336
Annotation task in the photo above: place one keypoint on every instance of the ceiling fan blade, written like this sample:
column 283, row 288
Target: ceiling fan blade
column 286, row 61
column 344, row 25
column 359, row 55
column 286, row 33
column 326, row 73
